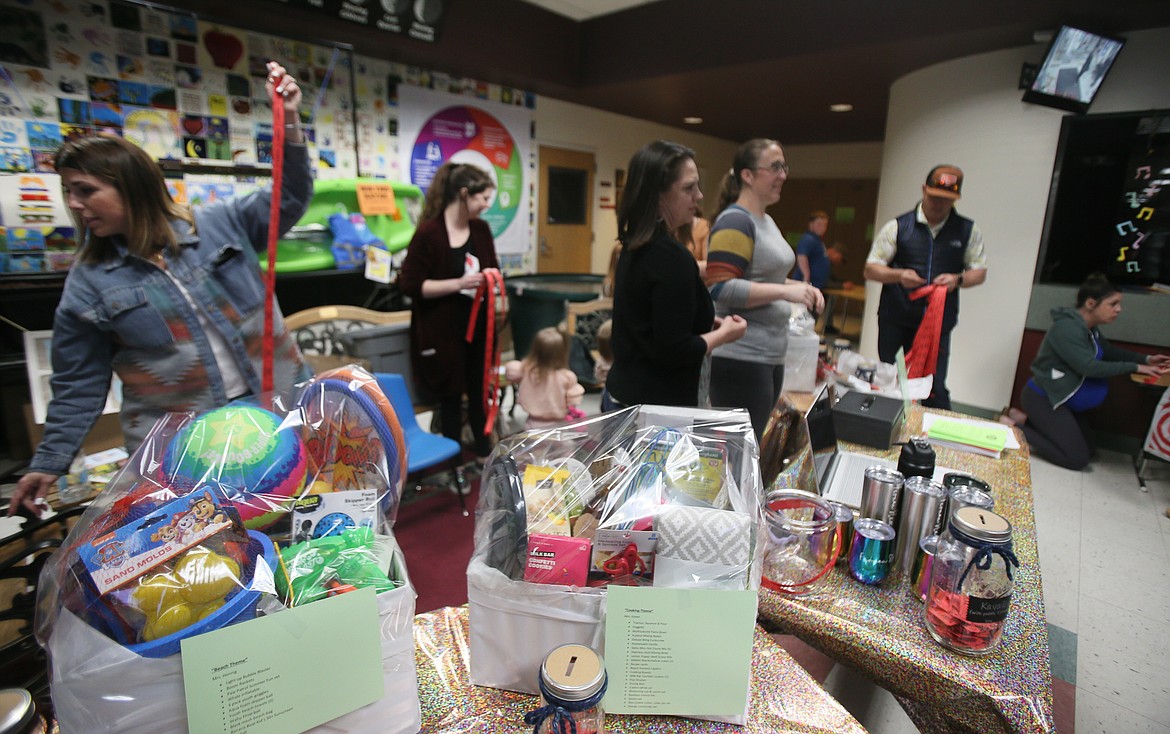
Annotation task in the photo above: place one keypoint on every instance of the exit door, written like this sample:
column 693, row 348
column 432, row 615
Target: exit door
column 564, row 231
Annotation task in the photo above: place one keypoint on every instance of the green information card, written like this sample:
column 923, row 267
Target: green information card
column 685, row 652
column 286, row 672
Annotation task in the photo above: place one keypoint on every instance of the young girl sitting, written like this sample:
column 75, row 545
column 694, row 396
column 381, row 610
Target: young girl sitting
column 546, row 388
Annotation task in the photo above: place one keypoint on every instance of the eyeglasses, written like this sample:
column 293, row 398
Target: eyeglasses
column 777, row 168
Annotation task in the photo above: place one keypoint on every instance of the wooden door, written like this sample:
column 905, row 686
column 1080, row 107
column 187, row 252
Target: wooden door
column 564, row 229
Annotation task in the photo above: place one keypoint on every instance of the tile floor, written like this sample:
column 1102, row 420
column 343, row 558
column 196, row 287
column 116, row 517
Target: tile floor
column 1105, row 560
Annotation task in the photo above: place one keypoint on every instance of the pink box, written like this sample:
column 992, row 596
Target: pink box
column 557, row 559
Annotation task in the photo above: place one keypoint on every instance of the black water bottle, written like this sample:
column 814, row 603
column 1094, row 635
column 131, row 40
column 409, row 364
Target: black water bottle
column 917, row 458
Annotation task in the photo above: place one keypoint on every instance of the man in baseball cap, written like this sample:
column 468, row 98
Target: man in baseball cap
column 929, row 245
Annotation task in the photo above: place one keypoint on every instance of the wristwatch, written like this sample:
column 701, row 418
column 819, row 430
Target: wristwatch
column 960, row 280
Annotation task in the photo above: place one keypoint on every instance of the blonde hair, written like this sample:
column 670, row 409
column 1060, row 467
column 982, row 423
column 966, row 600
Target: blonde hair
column 549, row 352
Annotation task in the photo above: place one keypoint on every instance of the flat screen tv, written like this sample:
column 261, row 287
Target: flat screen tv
column 1074, row 66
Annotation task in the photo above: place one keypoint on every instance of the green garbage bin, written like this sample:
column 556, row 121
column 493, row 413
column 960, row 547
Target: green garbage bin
column 537, row 301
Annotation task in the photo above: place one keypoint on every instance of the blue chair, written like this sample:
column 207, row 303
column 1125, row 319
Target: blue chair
column 424, row 450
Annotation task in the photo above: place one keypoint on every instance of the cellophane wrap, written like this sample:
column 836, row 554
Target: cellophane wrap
column 787, row 452
column 187, row 539
column 650, row 495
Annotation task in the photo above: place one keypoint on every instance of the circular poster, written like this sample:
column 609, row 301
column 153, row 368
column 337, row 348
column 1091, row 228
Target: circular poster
column 469, row 135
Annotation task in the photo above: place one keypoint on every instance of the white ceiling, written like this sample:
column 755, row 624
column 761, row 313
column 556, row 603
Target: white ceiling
column 586, row 9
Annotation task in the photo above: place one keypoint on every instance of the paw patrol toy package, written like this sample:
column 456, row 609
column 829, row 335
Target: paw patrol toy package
column 187, row 538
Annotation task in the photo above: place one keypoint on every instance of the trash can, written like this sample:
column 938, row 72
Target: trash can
column 387, row 348
column 537, row 301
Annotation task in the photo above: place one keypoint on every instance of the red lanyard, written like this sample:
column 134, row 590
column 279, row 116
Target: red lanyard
column 268, row 348
column 923, row 357
column 493, row 282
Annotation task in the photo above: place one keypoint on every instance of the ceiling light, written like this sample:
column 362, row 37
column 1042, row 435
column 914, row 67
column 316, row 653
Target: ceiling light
column 842, row 107
column 693, row 120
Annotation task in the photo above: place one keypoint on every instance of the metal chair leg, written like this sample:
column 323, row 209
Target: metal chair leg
column 1139, row 468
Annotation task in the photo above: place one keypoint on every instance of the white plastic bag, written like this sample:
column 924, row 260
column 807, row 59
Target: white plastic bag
column 800, row 359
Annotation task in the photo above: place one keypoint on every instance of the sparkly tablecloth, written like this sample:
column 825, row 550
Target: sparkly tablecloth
column 879, row 630
column 785, row 698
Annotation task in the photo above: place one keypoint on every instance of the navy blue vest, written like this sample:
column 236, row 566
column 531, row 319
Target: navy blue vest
column 929, row 257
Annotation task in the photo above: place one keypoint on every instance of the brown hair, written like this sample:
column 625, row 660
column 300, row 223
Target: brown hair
column 746, row 158
column 604, row 334
column 652, row 171
column 138, row 180
column 610, row 280
column 817, row 214
column 449, row 180
column 549, row 352
column 1097, row 288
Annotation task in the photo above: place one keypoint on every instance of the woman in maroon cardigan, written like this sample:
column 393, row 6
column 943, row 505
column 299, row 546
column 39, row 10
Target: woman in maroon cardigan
column 444, row 266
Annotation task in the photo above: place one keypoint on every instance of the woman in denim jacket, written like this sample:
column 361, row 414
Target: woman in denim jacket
column 170, row 299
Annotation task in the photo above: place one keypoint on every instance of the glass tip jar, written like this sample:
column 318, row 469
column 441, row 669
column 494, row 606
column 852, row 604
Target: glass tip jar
column 971, row 582
column 572, row 683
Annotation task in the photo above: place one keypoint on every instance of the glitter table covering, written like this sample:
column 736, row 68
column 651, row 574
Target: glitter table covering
column 879, row 630
column 784, row 697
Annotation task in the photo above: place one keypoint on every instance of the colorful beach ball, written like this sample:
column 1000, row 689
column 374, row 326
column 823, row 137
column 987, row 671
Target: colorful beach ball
column 242, row 450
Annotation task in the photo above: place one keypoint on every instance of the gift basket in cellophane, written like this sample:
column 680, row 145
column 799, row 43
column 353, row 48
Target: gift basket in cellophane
column 249, row 509
column 646, row 496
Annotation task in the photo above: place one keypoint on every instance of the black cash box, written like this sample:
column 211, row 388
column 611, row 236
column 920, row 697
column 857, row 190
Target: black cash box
column 868, row 419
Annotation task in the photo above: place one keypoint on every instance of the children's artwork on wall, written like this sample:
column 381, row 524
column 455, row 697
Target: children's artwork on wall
column 102, row 90
column 188, row 77
column 184, row 27
column 155, row 131
column 24, row 38
column 222, row 48
column 134, row 93
column 158, row 47
column 105, row 115
column 43, row 135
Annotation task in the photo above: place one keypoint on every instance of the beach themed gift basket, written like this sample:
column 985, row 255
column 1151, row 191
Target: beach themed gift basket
column 199, row 532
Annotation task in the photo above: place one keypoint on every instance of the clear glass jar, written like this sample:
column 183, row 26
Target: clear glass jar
column 572, row 684
column 971, row 582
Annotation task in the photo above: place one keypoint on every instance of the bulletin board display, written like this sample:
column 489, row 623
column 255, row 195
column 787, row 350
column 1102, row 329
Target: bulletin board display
column 179, row 86
column 190, row 91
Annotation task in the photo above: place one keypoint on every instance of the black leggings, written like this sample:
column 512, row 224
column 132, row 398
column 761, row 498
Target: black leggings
column 451, row 406
column 1056, row 434
column 751, row 385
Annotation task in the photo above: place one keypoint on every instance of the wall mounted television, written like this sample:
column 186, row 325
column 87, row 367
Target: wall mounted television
column 1072, row 70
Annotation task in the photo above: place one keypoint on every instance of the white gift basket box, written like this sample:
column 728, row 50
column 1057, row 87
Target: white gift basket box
column 680, row 487
column 178, row 545
column 99, row 686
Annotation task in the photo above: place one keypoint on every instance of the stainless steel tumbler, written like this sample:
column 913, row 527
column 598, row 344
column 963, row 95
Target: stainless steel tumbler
column 922, row 502
column 953, row 482
column 881, row 492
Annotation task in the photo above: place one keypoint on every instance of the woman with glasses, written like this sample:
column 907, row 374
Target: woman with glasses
column 748, row 261
column 664, row 323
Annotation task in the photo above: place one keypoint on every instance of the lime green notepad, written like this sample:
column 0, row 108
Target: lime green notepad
column 985, row 436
